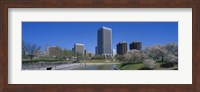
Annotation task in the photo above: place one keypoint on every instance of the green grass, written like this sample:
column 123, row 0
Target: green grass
column 97, row 61
column 139, row 66
column 157, row 66
column 37, row 60
column 131, row 66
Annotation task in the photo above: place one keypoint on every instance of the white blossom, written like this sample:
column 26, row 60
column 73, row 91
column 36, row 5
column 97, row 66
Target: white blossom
column 156, row 52
column 171, row 58
column 134, row 56
column 149, row 63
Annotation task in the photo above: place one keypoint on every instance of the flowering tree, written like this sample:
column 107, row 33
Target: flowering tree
column 134, row 56
column 172, row 48
column 149, row 63
column 167, row 53
column 156, row 52
column 170, row 58
column 172, row 53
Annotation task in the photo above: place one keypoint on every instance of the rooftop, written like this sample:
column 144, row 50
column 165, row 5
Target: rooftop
column 122, row 42
column 79, row 44
column 103, row 27
column 52, row 46
column 136, row 42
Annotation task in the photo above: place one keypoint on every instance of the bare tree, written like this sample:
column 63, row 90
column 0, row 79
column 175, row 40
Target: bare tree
column 24, row 47
column 32, row 49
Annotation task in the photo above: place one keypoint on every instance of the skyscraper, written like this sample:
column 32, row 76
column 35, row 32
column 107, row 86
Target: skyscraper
column 121, row 48
column 104, row 41
column 136, row 45
column 96, row 50
column 113, row 52
column 78, row 49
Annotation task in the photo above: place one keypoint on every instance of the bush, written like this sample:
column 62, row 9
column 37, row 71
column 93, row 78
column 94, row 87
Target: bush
column 167, row 65
column 121, row 58
column 149, row 63
column 98, row 57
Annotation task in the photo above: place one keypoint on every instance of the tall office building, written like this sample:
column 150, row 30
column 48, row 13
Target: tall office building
column 78, row 49
column 96, row 50
column 104, row 41
column 85, row 52
column 74, row 54
column 54, row 51
column 121, row 48
column 113, row 52
column 136, row 45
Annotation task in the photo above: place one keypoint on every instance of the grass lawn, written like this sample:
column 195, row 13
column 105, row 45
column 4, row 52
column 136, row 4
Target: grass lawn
column 139, row 66
column 131, row 66
column 44, row 60
column 97, row 61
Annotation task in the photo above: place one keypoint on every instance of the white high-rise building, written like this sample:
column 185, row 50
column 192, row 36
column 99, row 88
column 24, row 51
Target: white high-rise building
column 113, row 52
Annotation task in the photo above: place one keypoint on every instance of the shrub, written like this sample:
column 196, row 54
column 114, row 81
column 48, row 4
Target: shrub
column 121, row 58
column 149, row 63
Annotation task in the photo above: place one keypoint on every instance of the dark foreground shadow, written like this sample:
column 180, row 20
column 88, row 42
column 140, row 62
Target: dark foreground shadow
column 167, row 65
column 145, row 68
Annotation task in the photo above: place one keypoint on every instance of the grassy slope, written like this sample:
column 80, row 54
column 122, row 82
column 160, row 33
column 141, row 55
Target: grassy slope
column 132, row 66
column 140, row 65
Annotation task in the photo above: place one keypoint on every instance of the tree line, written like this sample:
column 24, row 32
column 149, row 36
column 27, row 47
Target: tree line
column 29, row 51
column 150, row 55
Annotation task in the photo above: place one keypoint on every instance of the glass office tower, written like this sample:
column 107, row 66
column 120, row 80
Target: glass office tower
column 104, row 41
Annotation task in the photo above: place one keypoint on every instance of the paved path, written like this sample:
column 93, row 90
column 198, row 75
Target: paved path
column 83, row 66
column 69, row 66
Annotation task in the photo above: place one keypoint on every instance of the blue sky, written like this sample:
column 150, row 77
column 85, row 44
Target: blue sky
column 66, row 34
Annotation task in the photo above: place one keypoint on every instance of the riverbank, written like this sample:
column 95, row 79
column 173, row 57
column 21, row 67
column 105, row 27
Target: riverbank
column 69, row 66
column 141, row 66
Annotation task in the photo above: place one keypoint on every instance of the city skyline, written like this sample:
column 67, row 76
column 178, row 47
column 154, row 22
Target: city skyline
column 66, row 34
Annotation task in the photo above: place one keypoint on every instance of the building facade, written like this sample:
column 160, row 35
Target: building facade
column 104, row 41
column 121, row 48
column 96, row 50
column 114, row 52
column 78, row 49
column 54, row 51
column 136, row 45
